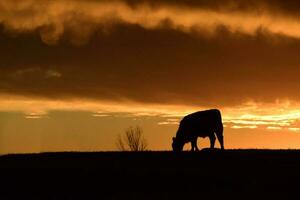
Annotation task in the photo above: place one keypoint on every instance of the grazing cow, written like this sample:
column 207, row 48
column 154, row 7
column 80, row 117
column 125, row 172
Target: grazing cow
column 199, row 124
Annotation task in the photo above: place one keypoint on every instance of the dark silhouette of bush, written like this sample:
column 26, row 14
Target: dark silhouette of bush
column 132, row 140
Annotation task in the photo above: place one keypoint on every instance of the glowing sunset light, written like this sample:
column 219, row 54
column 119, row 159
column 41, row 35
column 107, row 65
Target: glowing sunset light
column 75, row 74
column 172, row 114
column 240, row 127
column 294, row 129
column 274, row 128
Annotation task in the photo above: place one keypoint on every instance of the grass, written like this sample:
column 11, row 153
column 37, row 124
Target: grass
column 243, row 174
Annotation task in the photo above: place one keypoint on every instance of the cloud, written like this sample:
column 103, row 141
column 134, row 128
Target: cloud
column 271, row 117
column 50, row 73
column 194, row 53
column 35, row 72
column 131, row 61
column 281, row 116
column 274, row 128
column 243, row 127
column 33, row 116
column 81, row 19
column 294, row 129
column 170, row 121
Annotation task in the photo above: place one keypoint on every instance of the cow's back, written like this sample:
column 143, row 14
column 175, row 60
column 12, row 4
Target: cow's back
column 213, row 114
column 202, row 121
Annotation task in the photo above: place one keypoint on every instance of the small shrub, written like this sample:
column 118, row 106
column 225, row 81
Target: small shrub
column 132, row 140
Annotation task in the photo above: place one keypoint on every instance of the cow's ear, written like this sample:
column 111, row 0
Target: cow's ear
column 174, row 139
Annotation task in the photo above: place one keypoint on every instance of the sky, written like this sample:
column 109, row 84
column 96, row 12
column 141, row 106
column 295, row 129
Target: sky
column 74, row 74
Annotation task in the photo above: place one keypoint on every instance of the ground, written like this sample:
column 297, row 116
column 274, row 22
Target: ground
column 234, row 174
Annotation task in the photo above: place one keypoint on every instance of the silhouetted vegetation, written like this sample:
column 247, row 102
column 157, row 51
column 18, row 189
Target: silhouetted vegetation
column 207, row 174
column 132, row 140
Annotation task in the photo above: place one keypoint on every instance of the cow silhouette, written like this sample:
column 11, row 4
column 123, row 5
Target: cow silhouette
column 207, row 123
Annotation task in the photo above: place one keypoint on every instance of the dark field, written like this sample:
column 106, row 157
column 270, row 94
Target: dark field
column 232, row 174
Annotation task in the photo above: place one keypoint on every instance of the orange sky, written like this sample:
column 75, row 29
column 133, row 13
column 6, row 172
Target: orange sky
column 74, row 74
column 29, row 125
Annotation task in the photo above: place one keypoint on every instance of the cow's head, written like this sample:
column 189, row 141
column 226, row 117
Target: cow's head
column 177, row 145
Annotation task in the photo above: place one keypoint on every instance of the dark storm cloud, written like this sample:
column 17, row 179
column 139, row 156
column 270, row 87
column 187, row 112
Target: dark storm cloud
column 81, row 19
column 167, row 61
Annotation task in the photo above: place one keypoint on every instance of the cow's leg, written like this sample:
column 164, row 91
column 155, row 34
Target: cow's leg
column 212, row 139
column 194, row 144
column 219, row 133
